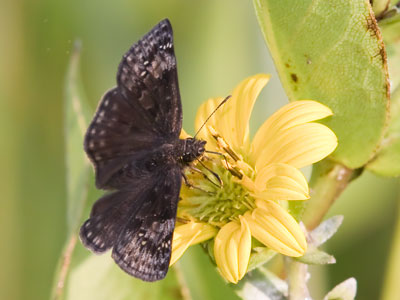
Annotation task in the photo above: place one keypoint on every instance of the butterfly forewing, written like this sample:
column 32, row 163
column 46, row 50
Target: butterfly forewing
column 117, row 135
column 148, row 74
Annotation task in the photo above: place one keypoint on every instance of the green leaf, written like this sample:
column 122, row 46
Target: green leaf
column 259, row 257
column 317, row 237
column 262, row 284
column 77, row 116
column 325, row 231
column 344, row 291
column 76, row 120
column 332, row 52
column 314, row 256
column 201, row 278
column 387, row 161
column 99, row 278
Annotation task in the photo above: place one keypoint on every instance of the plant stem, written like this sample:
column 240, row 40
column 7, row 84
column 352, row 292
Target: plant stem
column 328, row 181
column 297, row 277
column 62, row 270
column 391, row 283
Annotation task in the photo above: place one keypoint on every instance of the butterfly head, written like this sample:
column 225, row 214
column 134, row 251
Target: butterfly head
column 192, row 149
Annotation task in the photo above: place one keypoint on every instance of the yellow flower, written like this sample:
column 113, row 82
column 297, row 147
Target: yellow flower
column 258, row 177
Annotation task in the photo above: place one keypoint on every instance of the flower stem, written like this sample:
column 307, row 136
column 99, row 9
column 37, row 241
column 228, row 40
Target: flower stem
column 328, row 181
column 297, row 277
column 63, row 268
column 391, row 283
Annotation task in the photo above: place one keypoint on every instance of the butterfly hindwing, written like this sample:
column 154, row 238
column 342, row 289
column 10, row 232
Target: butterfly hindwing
column 108, row 216
column 143, row 248
column 148, row 78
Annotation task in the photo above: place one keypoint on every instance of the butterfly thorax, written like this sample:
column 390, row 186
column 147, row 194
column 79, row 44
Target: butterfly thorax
column 183, row 151
column 189, row 149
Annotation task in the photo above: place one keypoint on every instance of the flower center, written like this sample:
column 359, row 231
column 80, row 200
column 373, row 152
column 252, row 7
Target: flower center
column 210, row 202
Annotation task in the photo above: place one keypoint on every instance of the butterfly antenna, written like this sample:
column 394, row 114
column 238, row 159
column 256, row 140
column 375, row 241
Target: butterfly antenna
column 208, row 118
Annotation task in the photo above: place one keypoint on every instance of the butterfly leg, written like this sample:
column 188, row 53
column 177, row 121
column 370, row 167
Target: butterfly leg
column 228, row 166
column 221, row 184
column 191, row 186
column 218, row 153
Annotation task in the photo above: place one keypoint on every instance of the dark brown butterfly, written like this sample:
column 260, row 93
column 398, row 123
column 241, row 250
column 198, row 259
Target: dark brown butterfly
column 133, row 143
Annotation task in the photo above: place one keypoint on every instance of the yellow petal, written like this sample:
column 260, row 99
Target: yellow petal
column 232, row 249
column 244, row 240
column 277, row 229
column 298, row 146
column 281, row 182
column 231, row 121
column 190, row 234
column 290, row 116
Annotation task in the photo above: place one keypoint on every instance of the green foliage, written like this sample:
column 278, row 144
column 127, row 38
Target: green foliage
column 314, row 256
column 262, row 284
column 99, row 278
column 77, row 117
column 259, row 257
column 325, row 230
column 200, row 277
column 316, row 238
column 332, row 52
column 387, row 161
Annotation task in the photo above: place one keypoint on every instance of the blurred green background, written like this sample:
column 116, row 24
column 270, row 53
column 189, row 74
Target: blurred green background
column 217, row 44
